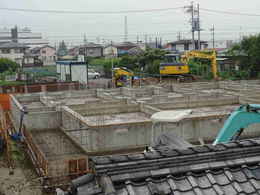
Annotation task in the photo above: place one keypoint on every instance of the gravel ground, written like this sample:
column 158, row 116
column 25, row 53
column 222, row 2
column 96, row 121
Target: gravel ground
column 24, row 181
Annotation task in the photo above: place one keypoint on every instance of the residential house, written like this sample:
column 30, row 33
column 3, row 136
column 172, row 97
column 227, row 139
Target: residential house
column 46, row 54
column 185, row 45
column 118, row 50
column 31, row 60
column 110, row 51
column 74, row 51
column 91, row 50
column 135, row 51
column 221, row 44
column 14, row 51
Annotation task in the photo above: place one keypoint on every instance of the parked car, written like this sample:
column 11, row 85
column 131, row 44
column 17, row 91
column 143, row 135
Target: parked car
column 92, row 74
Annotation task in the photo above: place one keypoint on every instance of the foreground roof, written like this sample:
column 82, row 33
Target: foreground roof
column 231, row 168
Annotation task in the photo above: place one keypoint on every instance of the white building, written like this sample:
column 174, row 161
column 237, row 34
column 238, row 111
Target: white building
column 110, row 51
column 22, row 35
column 72, row 71
column 185, row 45
column 13, row 51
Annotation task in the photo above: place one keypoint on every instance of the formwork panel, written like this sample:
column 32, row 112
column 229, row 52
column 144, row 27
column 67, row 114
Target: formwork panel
column 59, row 151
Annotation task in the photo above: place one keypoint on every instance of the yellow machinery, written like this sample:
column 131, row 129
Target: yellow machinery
column 121, row 76
column 173, row 65
column 205, row 54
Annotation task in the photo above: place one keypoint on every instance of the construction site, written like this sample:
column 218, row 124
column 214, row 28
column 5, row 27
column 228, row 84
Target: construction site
column 63, row 130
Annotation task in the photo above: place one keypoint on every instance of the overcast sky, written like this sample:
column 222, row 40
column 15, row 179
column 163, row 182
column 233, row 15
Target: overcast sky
column 71, row 27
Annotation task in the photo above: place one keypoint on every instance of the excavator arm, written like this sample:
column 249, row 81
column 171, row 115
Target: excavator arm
column 241, row 118
column 210, row 55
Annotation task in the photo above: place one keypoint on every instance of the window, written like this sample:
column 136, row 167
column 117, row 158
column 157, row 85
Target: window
column 5, row 51
column 90, row 51
column 18, row 50
column 186, row 46
column 43, row 51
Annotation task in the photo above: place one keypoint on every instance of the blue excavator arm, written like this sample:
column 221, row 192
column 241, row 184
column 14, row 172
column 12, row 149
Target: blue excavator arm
column 241, row 118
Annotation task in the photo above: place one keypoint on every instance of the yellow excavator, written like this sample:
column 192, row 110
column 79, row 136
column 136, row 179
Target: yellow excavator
column 177, row 65
column 122, row 76
column 204, row 54
column 173, row 65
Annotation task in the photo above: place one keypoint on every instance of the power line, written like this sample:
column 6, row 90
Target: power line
column 124, row 11
column 89, row 12
column 229, row 12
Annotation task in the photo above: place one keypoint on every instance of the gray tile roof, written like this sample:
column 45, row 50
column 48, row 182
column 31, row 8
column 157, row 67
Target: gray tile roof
column 231, row 168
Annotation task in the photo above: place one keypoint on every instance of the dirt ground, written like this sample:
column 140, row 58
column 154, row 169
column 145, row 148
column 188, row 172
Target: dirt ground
column 24, row 181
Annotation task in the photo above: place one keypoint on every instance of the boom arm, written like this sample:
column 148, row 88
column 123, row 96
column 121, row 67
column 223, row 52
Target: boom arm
column 244, row 116
column 211, row 55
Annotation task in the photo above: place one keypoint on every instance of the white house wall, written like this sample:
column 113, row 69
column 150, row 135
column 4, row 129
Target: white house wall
column 79, row 73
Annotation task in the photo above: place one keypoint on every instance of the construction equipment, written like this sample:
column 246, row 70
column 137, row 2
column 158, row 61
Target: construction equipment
column 121, row 76
column 241, row 118
column 173, row 66
column 204, row 54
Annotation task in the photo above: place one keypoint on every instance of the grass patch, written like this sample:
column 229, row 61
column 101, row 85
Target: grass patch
column 12, row 83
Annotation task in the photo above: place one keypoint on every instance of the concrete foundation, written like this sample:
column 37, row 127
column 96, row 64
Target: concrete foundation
column 110, row 121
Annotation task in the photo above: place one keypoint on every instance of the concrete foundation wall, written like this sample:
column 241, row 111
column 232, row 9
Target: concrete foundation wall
column 101, row 104
column 203, row 102
column 15, row 111
column 193, row 130
column 109, row 110
column 32, row 97
column 136, row 92
column 36, row 118
column 149, row 110
column 120, row 137
column 42, row 120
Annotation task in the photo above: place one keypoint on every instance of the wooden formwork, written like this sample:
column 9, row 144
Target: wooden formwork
column 44, row 166
column 38, row 158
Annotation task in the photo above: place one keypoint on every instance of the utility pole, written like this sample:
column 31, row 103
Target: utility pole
column 213, row 36
column 112, row 65
column 126, row 29
column 85, row 40
column 86, row 62
column 195, row 24
column 145, row 39
column 179, row 36
column 198, row 7
column 192, row 25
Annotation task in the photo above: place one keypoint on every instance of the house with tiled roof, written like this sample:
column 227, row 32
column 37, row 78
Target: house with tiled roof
column 230, row 169
column 46, row 54
column 14, row 51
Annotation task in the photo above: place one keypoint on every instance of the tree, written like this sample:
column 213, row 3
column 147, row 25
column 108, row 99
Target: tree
column 247, row 53
column 150, row 60
column 62, row 50
column 8, row 65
